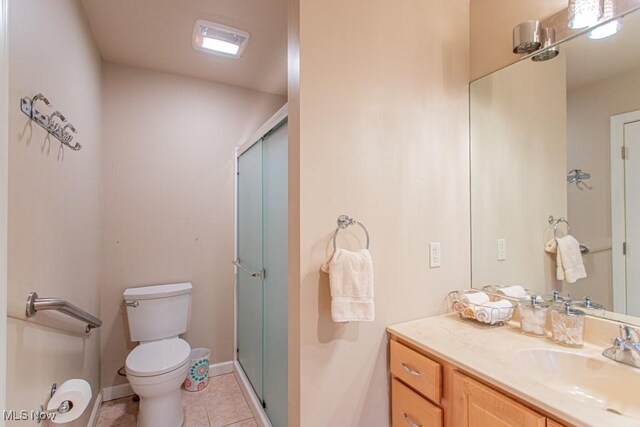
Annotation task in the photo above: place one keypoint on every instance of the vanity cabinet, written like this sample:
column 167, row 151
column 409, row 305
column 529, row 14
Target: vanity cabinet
column 429, row 392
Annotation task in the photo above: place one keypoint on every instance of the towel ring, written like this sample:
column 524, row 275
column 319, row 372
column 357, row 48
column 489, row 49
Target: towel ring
column 343, row 222
column 555, row 223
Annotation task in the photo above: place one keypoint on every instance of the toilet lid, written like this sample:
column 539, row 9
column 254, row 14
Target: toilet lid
column 158, row 357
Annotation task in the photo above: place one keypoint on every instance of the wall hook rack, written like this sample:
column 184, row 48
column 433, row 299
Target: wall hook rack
column 577, row 176
column 55, row 124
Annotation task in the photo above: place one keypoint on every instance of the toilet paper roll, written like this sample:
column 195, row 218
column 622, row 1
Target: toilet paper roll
column 76, row 391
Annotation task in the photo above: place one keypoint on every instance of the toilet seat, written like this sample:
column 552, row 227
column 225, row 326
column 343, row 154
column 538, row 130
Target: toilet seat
column 157, row 357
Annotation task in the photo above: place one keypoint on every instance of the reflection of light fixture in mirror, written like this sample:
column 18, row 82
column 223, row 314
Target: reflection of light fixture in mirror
column 548, row 38
column 526, row 37
column 610, row 28
column 583, row 13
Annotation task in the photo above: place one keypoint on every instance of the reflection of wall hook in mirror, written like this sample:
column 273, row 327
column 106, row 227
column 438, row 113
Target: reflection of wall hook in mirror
column 577, row 176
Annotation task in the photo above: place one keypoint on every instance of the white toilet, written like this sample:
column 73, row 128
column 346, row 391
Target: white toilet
column 157, row 367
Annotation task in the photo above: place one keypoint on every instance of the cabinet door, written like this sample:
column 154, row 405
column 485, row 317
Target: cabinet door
column 476, row 405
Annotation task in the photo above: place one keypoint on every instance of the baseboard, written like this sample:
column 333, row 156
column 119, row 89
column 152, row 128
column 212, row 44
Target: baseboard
column 116, row 392
column 220, row 369
column 254, row 404
column 95, row 413
column 124, row 390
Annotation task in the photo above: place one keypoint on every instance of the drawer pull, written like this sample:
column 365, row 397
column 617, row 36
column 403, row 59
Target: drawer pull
column 409, row 421
column 411, row 371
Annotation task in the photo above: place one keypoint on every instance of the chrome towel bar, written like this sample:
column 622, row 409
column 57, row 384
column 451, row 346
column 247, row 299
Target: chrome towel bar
column 584, row 249
column 343, row 222
column 35, row 304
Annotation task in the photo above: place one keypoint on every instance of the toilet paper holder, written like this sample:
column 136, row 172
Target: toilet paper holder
column 62, row 409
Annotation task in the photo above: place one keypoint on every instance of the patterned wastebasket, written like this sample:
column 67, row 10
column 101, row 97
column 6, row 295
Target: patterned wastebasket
column 198, row 376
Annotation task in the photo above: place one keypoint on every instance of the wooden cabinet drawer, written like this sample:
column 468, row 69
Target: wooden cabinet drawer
column 416, row 370
column 409, row 409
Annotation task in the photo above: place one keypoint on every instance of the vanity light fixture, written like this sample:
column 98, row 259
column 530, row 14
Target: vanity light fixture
column 584, row 13
column 219, row 39
column 548, row 38
column 526, row 37
column 610, row 28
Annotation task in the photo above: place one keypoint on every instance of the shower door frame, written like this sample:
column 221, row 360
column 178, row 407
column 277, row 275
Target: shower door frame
column 4, row 178
column 245, row 145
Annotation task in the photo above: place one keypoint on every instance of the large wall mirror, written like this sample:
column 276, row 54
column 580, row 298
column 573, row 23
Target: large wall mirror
column 547, row 140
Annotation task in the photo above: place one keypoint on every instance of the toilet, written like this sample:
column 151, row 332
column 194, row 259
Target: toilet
column 156, row 368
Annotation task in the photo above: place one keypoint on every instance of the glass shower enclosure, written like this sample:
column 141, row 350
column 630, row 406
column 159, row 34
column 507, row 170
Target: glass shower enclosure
column 261, row 278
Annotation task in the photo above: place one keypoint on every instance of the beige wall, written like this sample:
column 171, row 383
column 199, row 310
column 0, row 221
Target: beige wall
column 518, row 172
column 168, row 198
column 54, row 200
column 589, row 109
column 384, row 138
column 491, row 30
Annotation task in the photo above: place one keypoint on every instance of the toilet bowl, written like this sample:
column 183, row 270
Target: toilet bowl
column 156, row 368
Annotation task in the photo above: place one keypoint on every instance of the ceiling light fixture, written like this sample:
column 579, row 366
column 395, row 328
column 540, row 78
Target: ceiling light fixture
column 584, row 13
column 610, row 28
column 219, row 39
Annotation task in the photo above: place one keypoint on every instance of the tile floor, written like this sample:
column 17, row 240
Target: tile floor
column 221, row 404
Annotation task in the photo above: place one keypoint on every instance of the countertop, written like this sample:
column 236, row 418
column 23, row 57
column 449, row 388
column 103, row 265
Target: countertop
column 490, row 353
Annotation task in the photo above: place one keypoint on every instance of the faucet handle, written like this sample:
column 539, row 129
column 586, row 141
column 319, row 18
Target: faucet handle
column 619, row 343
column 629, row 334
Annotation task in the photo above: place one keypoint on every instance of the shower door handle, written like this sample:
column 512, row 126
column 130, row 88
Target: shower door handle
column 237, row 263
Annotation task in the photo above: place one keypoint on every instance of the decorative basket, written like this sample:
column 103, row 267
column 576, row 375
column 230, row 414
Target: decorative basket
column 496, row 312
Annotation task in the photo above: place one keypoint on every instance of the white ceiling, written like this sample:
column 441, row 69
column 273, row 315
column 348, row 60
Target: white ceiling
column 156, row 34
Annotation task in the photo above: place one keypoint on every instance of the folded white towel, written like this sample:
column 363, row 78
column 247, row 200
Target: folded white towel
column 494, row 312
column 570, row 266
column 351, row 282
column 515, row 291
column 477, row 298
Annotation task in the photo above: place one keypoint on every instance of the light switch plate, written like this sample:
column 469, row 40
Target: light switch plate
column 435, row 256
column 502, row 249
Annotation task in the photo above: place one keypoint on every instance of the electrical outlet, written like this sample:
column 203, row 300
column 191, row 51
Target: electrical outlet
column 502, row 249
column 434, row 255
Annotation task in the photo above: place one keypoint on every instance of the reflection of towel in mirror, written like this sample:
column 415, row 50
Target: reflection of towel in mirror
column 351, row 282
column 568, row 258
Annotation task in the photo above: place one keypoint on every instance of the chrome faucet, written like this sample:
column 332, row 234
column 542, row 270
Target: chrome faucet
column 626, row 347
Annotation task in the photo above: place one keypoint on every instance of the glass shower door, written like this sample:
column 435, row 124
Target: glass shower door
column 249, row 277
column 276, row 246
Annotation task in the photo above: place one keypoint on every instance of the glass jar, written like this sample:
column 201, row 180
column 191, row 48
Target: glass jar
column 533, row 315
column 567, row 325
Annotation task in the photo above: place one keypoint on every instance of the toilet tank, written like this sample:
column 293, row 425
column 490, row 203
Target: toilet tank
column 157, row 312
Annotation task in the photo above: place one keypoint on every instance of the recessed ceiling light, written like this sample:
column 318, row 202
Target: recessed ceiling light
column 219, row 39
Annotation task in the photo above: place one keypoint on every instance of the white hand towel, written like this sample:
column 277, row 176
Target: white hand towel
column 572, row 264
column 515, row 291
column 477, row 298
column 494, row 312
column 552, row 248
column 351, row 282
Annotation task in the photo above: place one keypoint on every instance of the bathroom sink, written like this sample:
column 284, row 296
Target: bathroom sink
column 592, row 379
